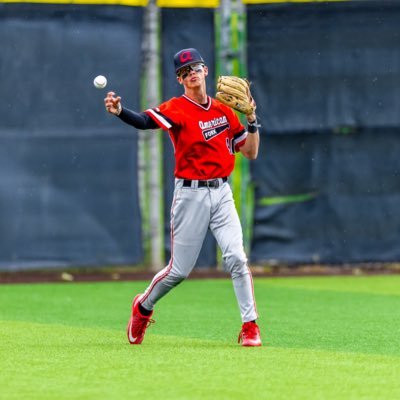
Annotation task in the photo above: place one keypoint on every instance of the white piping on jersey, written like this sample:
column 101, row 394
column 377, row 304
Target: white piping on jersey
column 239, row 139
column 197, row 104
column 162, row 120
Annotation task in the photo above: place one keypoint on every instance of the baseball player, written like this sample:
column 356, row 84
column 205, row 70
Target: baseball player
column 205, row 134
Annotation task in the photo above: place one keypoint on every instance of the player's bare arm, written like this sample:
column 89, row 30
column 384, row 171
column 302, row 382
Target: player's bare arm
column 250, row 148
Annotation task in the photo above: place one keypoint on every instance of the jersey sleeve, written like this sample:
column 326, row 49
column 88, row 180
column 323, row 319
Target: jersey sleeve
column 165, row 115
column 238, row 132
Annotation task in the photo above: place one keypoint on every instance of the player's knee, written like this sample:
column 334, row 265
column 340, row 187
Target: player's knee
column 178, row 276
column 236, row 263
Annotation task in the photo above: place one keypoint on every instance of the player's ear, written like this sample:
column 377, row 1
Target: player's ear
column 179, row 79
column 205, row 70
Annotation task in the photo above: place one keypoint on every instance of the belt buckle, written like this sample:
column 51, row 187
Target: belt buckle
column 213, row 183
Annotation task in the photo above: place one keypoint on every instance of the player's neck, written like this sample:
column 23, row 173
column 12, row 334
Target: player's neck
column 198, row 95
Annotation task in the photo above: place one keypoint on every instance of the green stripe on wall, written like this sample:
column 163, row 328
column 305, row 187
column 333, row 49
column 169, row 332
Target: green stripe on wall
column 295, row 198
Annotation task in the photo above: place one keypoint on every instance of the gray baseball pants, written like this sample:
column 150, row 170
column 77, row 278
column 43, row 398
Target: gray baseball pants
column 193, row 211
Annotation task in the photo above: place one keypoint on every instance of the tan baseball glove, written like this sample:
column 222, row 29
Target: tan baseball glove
column 235, row 93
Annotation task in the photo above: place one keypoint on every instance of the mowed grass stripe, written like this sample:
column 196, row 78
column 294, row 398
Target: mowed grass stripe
column 380, row 284
column 55, row 361
column 338, row 338
column 293, row 317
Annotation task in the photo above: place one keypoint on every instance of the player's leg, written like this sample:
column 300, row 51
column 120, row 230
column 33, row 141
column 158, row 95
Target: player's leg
column 189, row 223
column 226, row 227
column 190, row 213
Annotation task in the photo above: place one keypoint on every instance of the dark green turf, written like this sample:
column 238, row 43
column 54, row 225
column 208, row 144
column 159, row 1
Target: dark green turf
column 324, row 338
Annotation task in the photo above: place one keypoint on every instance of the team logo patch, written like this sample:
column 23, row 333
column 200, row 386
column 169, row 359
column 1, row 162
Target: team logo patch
column 214, row 127
column 186, row 56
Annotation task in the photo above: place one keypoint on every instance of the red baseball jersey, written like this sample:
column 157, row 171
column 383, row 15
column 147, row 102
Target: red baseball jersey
column 205, row 138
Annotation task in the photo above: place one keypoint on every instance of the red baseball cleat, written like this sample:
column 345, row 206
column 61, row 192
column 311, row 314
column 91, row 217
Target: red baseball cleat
column 250, row 334
column 138, row 323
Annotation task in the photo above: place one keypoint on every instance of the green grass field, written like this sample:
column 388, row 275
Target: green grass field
column 324, row 338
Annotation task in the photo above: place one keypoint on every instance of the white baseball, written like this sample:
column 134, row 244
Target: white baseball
column 100, row 82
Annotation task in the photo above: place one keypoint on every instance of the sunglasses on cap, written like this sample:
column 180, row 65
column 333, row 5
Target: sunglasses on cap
column 185, row 71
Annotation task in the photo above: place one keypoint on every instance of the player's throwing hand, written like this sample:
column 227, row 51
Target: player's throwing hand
column 113, row 103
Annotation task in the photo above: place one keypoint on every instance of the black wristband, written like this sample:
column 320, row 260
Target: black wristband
column 252, row 127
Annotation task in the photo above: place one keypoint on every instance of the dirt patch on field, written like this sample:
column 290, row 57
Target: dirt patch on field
column 134, row 273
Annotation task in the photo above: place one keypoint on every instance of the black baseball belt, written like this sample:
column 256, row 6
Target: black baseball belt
column 212, row 183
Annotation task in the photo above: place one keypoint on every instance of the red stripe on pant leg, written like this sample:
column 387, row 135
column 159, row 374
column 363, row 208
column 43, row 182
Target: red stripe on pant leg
column 252, row 290
column 160, row 278
column 169, row 267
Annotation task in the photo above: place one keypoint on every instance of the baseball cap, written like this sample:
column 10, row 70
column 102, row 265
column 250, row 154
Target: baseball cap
column 186, row 57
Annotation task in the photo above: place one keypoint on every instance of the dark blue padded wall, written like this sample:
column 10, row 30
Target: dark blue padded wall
column 68, row 170
column 326, row 79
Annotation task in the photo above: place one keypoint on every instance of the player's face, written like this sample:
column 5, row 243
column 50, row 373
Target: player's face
column 192, row 74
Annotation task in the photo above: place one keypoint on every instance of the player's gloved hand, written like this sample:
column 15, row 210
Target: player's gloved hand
column 113, row 103
column 235, row 93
